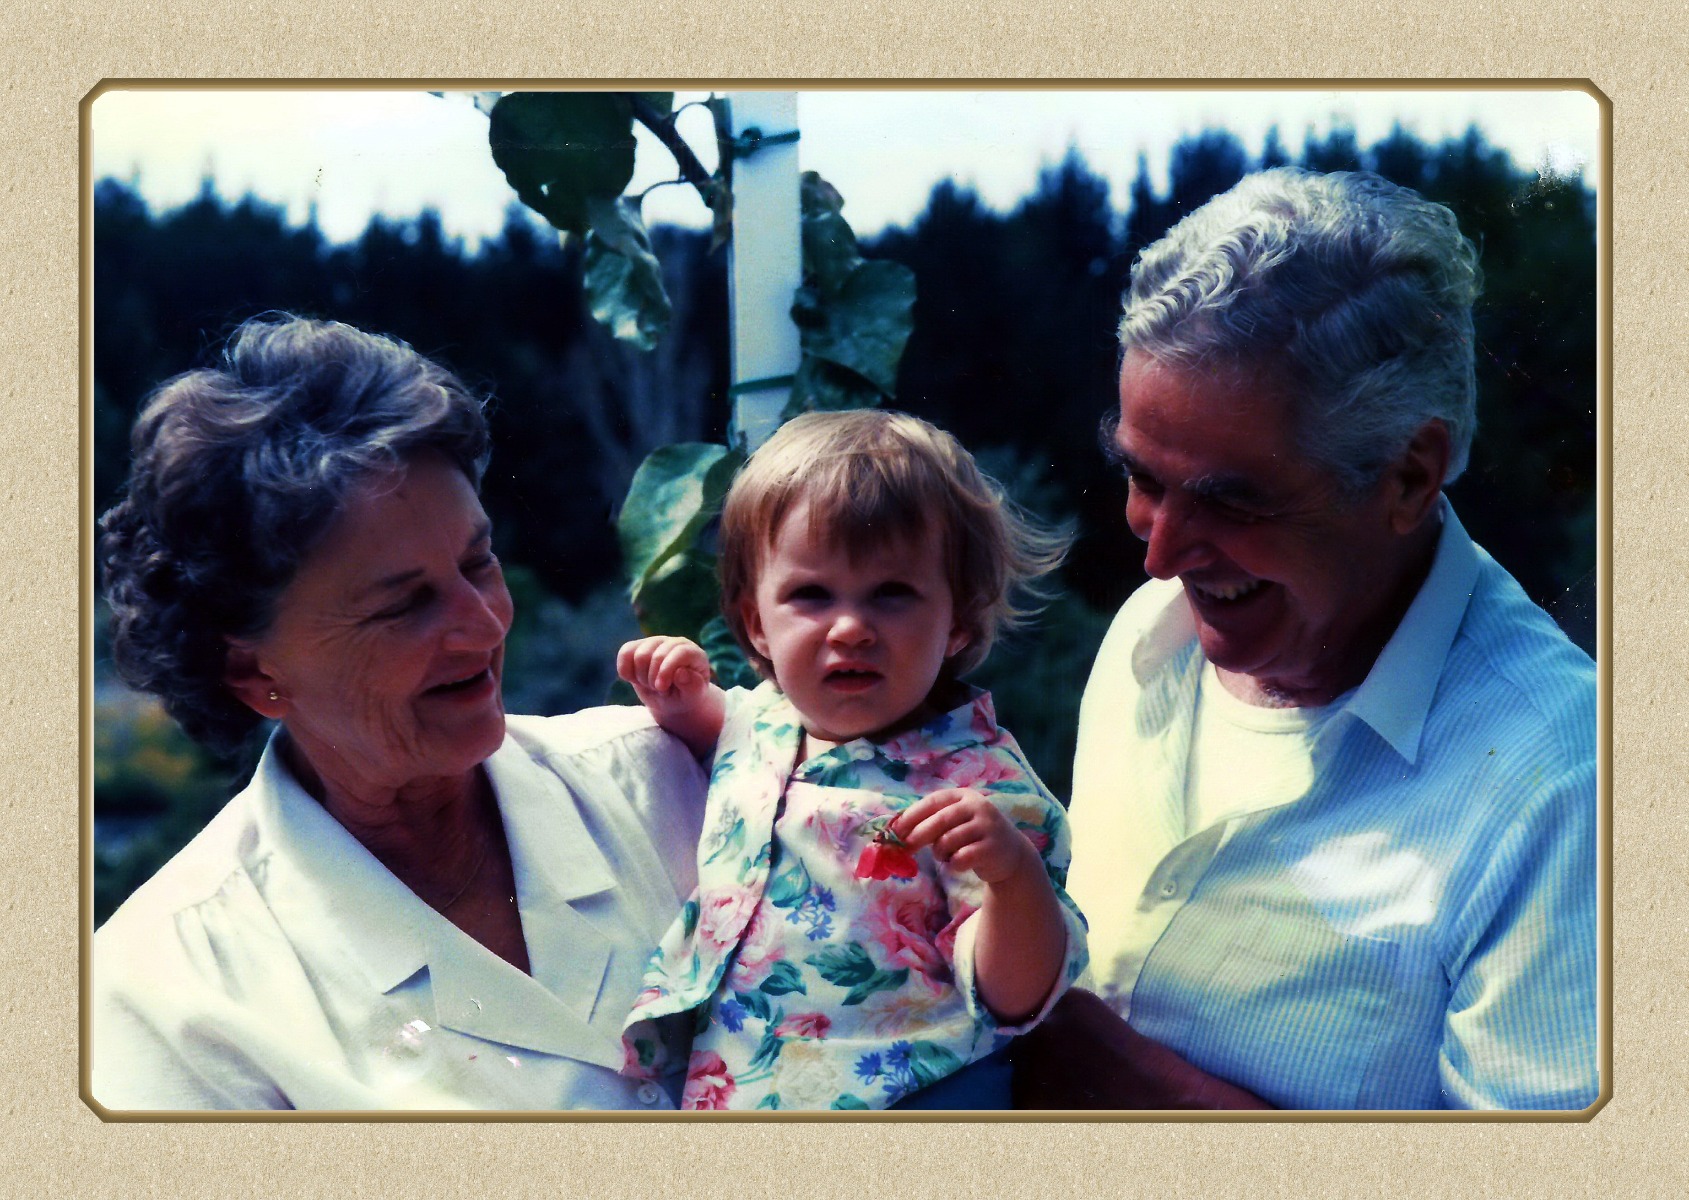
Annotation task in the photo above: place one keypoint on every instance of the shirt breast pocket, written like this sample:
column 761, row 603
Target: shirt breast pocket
column 1295, row 1010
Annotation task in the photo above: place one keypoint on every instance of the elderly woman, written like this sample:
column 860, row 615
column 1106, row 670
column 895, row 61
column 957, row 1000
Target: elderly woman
column 417, row 902
column 1334, row 801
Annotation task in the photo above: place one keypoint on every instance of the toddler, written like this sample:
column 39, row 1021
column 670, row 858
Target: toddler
column 880, row 895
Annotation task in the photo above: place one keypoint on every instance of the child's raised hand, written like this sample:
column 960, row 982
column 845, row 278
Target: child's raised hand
column 969, row 833
column 669, row 674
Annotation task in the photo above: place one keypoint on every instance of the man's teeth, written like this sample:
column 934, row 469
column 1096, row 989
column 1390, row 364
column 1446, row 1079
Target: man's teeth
column 1230, row 591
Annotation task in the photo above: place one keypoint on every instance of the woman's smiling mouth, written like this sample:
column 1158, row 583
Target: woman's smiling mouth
column 469, row 685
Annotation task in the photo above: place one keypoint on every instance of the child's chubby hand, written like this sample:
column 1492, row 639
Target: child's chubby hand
column 669, row 674
column 968, row 832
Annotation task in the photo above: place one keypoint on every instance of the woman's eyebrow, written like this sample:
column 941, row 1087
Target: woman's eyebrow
column 483, row 532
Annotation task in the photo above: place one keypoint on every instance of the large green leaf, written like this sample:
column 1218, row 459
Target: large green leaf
column 674, row 493
column 560, row 149
column 623, row 279
column 864, row 325
column 679, row 596
column 821, row 386
column 854, row 316
column 727, row 660
column 829, row 246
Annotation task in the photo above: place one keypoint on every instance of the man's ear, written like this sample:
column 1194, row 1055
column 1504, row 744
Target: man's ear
column 1415, row 479
column 254, row 687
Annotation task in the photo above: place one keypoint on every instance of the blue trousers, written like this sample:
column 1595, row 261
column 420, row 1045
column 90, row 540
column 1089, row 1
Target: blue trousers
column 979, row 1085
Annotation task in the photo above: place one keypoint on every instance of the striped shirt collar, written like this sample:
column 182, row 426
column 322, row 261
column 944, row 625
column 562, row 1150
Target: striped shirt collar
column 1396, row 694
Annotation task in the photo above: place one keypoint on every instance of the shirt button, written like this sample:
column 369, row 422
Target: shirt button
column 649, row 1093
column 1170, row 889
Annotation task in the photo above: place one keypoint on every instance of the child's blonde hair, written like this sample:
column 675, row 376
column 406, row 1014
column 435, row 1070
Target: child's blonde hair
column 872, row 478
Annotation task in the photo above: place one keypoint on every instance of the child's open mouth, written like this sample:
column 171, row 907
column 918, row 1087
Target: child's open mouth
column 851, row 680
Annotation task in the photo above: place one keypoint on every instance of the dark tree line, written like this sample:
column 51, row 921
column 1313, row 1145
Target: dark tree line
column 1014, row 345
column 1014, row 339
column 1014, row 350
column 573, row 412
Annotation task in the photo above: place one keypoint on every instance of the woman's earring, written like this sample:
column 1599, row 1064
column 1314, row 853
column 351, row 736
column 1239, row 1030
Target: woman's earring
column 274, row 695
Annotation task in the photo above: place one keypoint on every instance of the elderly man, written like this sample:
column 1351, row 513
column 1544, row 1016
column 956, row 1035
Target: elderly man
column 1334, row 802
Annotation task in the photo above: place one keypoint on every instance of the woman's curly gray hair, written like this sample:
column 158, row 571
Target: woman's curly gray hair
column 1359, row 291
column 236, row 470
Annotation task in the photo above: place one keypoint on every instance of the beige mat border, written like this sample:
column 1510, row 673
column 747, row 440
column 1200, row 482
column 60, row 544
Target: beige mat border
column 54, row 1144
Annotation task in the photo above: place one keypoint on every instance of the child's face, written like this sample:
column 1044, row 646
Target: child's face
column 856, row 643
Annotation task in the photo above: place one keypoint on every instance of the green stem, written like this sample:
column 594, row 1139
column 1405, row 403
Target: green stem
column 691, row 170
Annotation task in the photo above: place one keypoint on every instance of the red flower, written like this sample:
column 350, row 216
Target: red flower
column 804, row 1025
column 882, row 860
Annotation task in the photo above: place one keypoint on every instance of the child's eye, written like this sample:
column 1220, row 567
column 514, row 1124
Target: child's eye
column 480, row 565
column 808, row 593
column 894, row 589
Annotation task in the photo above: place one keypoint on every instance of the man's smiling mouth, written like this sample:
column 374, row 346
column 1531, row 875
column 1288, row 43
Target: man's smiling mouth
column 1227, row 592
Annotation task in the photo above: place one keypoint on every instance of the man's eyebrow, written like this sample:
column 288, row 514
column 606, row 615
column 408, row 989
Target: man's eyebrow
column 1228, row 489
column 387, row 583
column 1218, row 487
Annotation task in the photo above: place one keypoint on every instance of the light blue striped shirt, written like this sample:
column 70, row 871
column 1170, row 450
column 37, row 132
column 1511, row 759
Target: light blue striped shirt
column 1417, row 929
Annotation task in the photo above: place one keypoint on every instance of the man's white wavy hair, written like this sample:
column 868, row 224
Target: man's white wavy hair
column 1358, row 291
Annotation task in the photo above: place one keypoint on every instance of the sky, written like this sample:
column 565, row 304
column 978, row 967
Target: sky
column 354, row 153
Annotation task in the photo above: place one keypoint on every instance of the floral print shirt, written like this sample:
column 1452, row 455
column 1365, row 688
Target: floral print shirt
column 811, row 988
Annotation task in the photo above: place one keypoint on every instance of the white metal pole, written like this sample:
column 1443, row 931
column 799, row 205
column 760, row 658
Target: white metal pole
column 766, row 263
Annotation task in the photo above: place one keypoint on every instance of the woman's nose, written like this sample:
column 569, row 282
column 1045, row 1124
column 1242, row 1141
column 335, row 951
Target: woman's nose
column 480, row 616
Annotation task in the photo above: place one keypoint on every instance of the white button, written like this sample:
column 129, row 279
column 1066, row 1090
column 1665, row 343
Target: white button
column 1170, row 888
column 649, row 1093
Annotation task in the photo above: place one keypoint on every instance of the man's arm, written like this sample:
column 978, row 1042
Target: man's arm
column 1523, row 1015
column 1084, row 1056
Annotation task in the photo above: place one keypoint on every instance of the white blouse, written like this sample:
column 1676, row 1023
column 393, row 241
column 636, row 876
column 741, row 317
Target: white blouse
column 275, row 963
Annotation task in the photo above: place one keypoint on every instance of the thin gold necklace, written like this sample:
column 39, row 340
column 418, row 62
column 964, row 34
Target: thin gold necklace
column 474, row 872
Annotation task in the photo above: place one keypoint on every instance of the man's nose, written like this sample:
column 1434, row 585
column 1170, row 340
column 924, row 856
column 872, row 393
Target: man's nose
column 1173, row 537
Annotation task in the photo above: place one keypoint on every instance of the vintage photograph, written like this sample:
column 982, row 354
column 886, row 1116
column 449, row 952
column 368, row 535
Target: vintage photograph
column 859, row 599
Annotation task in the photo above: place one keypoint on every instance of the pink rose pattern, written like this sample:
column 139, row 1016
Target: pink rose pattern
column 708, row 1085
column 760, row 950
column 904, row 926
column 724, row 913
column 782, row 946
column 804, row 1025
